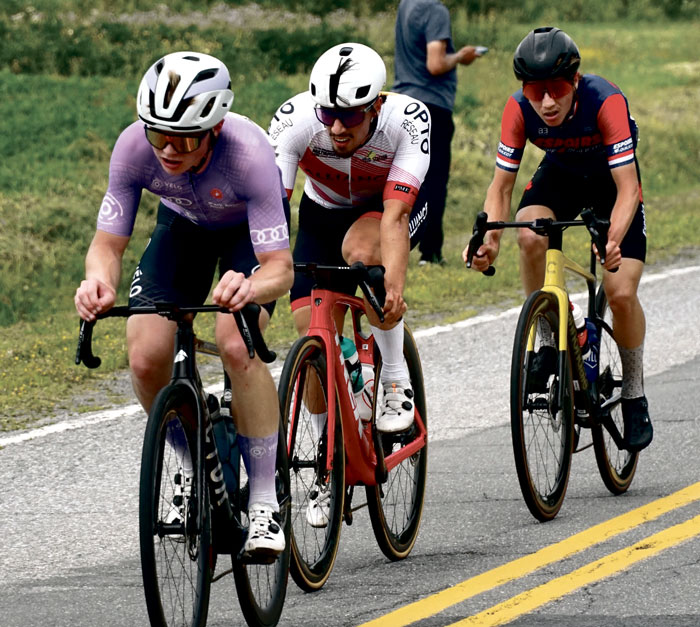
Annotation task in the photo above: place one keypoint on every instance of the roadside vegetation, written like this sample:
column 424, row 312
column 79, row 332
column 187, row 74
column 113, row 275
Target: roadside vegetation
column 69, row 71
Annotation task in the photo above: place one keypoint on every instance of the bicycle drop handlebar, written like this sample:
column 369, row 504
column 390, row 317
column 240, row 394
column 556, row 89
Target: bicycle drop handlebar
column 597, row 227
column 246, row 320
column 370, row 280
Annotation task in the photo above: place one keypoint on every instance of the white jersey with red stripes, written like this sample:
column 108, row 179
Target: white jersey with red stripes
column 391, row 164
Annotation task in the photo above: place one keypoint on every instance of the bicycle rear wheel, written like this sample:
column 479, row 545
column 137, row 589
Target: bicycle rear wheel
column 262, row 588
column 174, row 515
column 303, row 390
column 395, row 507
column 542, row 431
column 617, row 466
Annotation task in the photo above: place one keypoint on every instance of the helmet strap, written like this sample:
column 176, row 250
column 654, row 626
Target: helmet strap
column 212, row 142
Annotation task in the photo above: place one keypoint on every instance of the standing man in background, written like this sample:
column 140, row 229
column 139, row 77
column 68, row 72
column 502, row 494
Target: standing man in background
column 425, row 68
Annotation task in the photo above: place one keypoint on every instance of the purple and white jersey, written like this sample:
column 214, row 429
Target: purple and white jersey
column 241, row 182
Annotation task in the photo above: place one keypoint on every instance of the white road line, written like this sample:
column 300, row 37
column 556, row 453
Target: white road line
column 131, row 410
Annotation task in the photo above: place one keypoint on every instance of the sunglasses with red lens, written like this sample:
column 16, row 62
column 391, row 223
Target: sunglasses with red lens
column 347, row 117
column 557, row 88
column 180, row 143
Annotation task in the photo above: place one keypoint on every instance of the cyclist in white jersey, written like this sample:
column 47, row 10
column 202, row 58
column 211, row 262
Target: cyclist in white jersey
column 365, row 155
column 221, row 204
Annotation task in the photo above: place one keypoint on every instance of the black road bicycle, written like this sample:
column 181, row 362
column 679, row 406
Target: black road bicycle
column 193, row 494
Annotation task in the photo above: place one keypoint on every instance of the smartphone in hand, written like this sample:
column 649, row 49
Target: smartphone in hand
column 481, row 50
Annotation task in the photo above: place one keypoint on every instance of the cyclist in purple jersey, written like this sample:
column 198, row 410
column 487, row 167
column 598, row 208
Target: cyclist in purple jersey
column 584, row 126
column 222, row 203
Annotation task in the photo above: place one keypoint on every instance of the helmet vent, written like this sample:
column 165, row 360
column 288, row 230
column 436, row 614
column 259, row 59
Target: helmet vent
column 362, row 91
column 205, row 75
column 190, row 57
column 208, row 107
column 344, row 52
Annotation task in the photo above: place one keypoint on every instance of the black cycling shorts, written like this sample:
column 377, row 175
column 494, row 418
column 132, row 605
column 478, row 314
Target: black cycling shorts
column 181, row 257
column 567, row 194
column 321, row 232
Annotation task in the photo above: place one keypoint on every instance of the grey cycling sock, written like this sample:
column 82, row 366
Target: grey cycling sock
column 632, row 371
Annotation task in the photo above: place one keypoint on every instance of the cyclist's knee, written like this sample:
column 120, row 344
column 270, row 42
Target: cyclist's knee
column 148, row 365
column 531, row 244
column 622, row 300
column 234, row 353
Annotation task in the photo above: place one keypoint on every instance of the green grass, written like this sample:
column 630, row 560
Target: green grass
column 57, row 129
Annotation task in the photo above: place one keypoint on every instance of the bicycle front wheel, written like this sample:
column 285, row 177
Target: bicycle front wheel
column 395, row 507
column 542, row 427
column 616, row 465
column 317, row 493
column 262, row 588
column 174, row 517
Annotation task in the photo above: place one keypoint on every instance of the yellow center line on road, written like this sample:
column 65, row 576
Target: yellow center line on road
column 595, row 571
column 469, row 588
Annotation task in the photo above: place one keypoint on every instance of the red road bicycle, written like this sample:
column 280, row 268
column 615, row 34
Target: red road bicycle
column 331, row 449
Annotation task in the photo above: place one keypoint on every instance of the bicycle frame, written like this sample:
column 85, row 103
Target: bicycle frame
column 365, row 463
column 556, row 264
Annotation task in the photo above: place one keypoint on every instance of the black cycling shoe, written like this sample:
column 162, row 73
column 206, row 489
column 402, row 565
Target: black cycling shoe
column 544, row 364
column 638, row 430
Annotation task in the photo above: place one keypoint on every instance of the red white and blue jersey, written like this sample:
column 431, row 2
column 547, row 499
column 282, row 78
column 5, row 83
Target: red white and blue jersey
column 599, row 135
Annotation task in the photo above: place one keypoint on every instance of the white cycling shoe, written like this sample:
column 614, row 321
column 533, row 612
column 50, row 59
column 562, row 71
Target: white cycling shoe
column 265, row 536
column 319, row 508
column 398, row 408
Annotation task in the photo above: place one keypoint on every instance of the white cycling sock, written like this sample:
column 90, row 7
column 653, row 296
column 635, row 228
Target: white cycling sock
column 390, row 343
column 260, row 458
column 632, row 371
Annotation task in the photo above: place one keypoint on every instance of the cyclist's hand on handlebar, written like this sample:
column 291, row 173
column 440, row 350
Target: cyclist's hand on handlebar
column 484, row 257
column 394, row 305
column 613, row 255
column 233, row 291
column 93, row 297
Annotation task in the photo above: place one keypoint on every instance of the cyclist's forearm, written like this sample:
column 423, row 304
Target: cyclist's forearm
column 626, row 202
column 104, row 259
column 275, row 276
column 395, row 244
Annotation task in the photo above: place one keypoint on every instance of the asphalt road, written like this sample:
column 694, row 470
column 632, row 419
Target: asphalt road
column 68, row 508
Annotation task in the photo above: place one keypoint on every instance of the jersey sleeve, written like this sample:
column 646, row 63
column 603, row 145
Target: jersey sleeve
column 412, row 157
column 268, row 225
column 613, row 122
column 289, row 137
column 120, row 203
column 512, row 143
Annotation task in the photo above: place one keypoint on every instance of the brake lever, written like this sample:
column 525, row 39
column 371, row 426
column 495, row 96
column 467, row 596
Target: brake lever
column 477, row 241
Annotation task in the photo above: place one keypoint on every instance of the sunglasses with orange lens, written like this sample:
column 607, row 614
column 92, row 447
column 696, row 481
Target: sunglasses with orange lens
column 180, row 143
column 555, row 88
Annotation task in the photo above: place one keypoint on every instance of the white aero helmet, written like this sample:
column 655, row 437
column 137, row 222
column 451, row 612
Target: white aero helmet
column 347, row 75
column 184, row 91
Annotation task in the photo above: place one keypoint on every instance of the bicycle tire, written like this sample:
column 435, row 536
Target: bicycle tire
column 616, row 466
column 542, row 433
column 262, row 588
column 314, row 549
column 396, row 506
column 176, row 557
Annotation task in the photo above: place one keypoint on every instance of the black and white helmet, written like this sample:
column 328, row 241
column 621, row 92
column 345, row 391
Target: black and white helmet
column 184, row 91
column 347, row 75
column 546, row 53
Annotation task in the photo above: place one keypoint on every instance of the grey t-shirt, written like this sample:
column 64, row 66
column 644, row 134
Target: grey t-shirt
column 419, row 22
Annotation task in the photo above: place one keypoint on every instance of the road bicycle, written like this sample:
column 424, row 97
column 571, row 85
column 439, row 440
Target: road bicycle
column 331, row 449
column 551, row 403
column 193, row 494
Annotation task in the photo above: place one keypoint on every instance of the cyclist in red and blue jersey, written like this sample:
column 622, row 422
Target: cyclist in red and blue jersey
column 221, row 203
column 583, row 125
